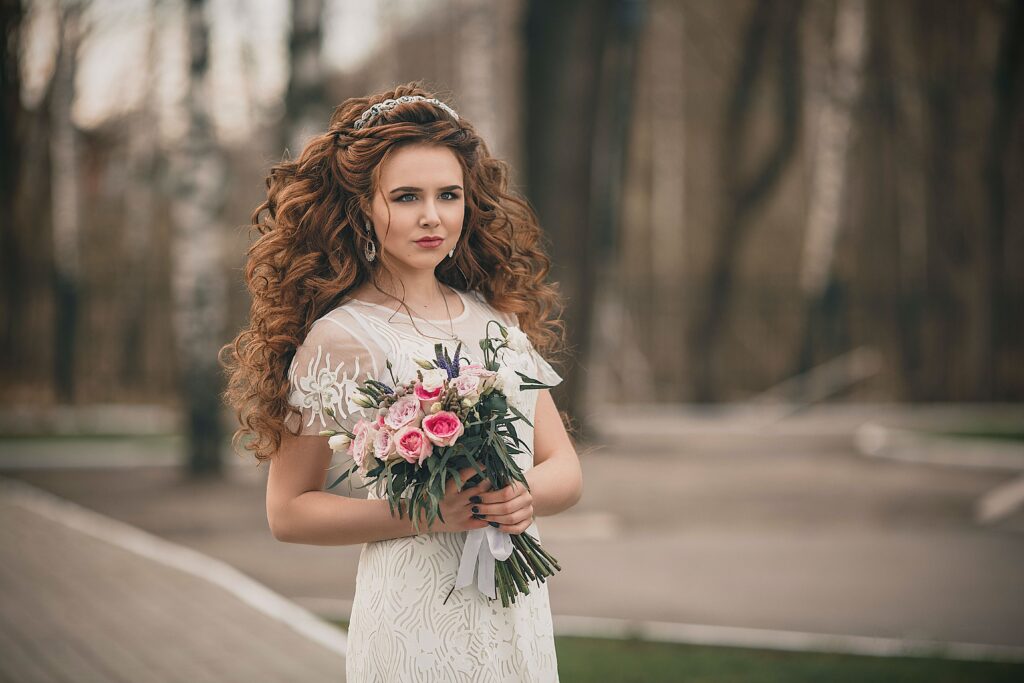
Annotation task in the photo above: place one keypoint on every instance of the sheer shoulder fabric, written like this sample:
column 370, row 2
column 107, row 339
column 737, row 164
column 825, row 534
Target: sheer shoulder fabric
column 328, row 366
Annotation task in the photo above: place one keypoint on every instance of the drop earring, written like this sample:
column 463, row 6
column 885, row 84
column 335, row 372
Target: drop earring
column 451, row 254
column 370, row 250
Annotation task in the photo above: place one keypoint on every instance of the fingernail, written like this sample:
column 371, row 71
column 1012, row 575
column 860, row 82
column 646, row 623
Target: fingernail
column 494, row 524
column 476, row 509
column 479, row 516
column 474, row 499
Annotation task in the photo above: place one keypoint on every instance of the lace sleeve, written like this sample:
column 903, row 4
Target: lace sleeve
column 325, row 372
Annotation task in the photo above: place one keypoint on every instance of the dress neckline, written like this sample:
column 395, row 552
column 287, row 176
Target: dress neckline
column 459, row 318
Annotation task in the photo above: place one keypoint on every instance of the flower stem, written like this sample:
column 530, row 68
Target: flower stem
column 501, row 582
column 517, row 575
column 538, row 562
column 527, row 567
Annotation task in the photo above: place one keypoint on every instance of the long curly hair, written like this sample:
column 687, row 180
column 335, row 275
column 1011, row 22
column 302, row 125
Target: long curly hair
column 309, row 252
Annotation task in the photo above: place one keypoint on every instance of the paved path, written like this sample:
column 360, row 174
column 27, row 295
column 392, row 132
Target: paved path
column 86, row 598
column 721, row 524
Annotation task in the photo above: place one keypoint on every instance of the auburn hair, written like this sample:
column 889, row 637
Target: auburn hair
column 308, row 255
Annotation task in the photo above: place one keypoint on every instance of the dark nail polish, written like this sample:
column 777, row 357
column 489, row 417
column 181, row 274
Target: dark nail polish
column 494, row 524
column 476, row 509
column 474, row 499
column 479, row 516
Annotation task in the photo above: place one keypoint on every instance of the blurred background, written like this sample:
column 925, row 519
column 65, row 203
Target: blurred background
column 790, row 239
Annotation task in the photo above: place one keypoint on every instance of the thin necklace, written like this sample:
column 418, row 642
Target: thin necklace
column 451, row 334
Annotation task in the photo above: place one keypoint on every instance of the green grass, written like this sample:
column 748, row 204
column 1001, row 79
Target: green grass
column 581, row 660
column 633, row 661
column 993, row 433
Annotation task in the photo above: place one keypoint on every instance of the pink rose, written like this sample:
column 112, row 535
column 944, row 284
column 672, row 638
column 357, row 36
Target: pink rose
column 412, row 444
column 466, row 385
column 443, row 428
column 404, row 411
column 364, row 432
column 487, row 377
column 427, row 397
column 384, row 444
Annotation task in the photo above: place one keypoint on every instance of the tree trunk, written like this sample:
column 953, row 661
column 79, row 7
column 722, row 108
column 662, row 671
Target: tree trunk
column 198, row 282
column 66, row 203
column 1007, row 113
column 139, row 221
column 834, row 107
column 772, row 34
column 565, row 44
column 12, row 120
column 306, row 109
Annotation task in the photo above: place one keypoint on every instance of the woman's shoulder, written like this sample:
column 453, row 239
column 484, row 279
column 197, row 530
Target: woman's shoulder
column 339, row 322
column 339, row 333
column 507, row 319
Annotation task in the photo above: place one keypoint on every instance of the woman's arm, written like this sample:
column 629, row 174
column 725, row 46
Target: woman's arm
column 556, row 479
column 300, row 511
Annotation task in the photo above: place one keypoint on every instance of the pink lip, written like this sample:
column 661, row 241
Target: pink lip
column 430, row 243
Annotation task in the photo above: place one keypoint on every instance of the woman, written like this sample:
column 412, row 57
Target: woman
column 392, row 232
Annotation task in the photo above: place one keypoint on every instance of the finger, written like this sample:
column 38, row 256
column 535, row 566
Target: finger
column 514, row 524
column 508, row 493
column 508, row 507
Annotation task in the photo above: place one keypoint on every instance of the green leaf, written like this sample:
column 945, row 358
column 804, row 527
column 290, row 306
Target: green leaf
column 340, row 479
column 520, row 415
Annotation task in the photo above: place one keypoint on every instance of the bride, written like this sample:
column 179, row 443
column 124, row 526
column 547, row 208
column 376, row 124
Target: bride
column 392, row 232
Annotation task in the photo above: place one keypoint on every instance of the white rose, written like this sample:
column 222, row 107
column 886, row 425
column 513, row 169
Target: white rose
column 509, row 385
column 339, row 442
column 432, row 379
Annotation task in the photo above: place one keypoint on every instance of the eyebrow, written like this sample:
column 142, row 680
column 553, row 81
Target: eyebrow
column 420, row 189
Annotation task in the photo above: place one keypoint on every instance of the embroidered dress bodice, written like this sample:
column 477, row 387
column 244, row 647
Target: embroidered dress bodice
column 400, row 628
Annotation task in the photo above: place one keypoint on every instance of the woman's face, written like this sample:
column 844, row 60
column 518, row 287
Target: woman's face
column 420, row 195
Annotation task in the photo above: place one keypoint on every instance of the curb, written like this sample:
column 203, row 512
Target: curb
column 334, row 609
column 877, row 440
column 169, row 554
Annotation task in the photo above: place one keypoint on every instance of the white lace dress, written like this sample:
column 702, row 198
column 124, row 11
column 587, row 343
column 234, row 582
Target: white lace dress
column 400, row 628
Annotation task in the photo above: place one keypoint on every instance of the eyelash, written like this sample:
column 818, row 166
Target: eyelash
column 409, row 194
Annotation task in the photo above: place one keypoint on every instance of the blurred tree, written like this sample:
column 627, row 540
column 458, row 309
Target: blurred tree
column 11, row 132
column 66, row 200
column 579, row 76
column 1007, row 117
column 198, row 278
column 139, row 209
column 834, row 108
column 306, row 109
column 770, row 48
column 963, row 189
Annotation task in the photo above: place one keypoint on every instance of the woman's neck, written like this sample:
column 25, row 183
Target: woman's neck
column 422, row 292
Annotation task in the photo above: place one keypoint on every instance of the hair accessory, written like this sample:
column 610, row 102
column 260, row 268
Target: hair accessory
column 388, row 105
column 370, row 250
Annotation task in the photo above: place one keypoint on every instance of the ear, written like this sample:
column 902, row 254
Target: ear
column 366, row 206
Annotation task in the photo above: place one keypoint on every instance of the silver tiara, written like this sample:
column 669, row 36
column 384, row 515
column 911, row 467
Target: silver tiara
column 388, row 105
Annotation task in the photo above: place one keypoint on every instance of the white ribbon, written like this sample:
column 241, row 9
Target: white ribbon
column 482, row 556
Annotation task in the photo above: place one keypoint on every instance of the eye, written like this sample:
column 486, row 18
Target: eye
column 453, row 195
column 402, row 198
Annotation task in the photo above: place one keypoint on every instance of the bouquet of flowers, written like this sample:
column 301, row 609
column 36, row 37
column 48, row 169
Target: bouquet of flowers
column 452, row 416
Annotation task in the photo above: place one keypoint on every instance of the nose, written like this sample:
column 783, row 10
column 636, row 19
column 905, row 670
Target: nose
column 430, row 216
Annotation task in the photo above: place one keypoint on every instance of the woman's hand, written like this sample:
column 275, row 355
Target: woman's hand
column 455, row 506
column 511, row 508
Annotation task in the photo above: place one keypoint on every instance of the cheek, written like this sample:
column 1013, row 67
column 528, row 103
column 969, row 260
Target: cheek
column 455, row 213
